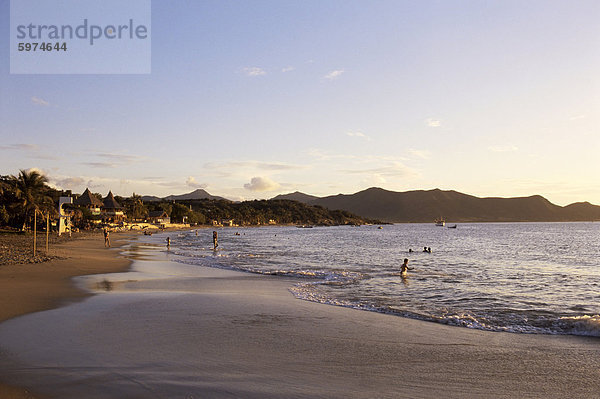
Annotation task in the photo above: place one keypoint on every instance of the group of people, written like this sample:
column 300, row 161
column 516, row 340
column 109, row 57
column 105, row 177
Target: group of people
column 215, row 240
column 425, row 249
column 404, row 268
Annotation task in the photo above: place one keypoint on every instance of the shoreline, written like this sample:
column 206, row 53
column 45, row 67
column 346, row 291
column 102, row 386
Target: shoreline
column 281, row 346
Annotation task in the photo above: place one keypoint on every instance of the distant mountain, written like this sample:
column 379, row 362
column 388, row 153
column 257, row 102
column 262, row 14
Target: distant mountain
column 426, row 206
column 296, row 196
column 196, row 194
column 150, row 198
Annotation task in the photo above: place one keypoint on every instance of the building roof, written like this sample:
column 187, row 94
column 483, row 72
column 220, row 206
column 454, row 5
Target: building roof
column 88, row 199
column 110, row 202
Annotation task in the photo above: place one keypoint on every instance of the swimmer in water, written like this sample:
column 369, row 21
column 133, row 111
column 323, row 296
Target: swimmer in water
column 404, row 268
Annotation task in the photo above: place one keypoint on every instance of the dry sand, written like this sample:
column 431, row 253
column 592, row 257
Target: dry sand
column 248, row 337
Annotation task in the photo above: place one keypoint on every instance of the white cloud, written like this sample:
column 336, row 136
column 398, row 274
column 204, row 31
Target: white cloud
column 394, row 169
column 358, row 134
column 68, row 183
column 101, row 164
column 433, row 122
column 258, row 165
column 191, row 182
column 39, row 101
column 254, row 71
column 121, row 158
column 503, row 148
column 419, row 153
column 334, row 74
column 288, row 69
column 261, row 184
column 23, row 147
column 577, row 117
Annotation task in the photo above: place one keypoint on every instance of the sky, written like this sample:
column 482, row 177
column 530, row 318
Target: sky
column 250, row 99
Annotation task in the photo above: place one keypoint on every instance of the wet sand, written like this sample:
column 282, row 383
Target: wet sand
column 222, row 334
column 33, row 287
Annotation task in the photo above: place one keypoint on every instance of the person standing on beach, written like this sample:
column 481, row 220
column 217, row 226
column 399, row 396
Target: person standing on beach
column 106, row 238
column 215, row 238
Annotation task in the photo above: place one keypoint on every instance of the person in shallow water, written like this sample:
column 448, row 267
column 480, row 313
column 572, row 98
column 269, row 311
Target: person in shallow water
column 404, row 268
column 168, row 242
column 215, row 237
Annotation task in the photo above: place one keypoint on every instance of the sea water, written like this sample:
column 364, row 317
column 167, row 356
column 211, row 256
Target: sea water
column 517, row 277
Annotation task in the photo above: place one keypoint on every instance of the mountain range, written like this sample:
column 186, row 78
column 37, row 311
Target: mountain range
column 196, row 194
column 427, row 205
column 424, row 206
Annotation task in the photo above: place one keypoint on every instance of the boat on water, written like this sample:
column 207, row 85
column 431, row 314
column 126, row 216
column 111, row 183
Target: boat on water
column 452, row 227
column 440, row 222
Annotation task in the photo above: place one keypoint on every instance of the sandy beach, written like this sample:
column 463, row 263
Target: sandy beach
column 33, row 287
column 224, row 334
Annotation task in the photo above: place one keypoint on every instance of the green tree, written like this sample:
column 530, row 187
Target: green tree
column 31, row 194
column 135, row 207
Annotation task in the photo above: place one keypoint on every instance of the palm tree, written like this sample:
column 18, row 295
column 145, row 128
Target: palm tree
column 30, row 187
column 137, row 209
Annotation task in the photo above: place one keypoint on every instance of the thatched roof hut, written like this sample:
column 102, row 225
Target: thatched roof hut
column 88, row 200
column 110, row 202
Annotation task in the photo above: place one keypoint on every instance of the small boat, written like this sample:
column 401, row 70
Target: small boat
column 440, row 222
column 452, row 227
column 305, row 226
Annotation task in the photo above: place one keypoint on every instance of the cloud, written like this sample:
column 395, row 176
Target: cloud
column 39, row 101
column 68, row 182
column 253, row 164
column 373, row 180
column 191, row 182
column 261, row 184
column 287, row 69
column 108, row 160
column 31, row 150
column 503, row 148
column 334, row 74
column 419, row 153
column 121, row 158
column 395, row 169
column 577, row 117
column 358, row 134
column 254, row 71
column 22, row 147
column 433, row 123
column 101, row 164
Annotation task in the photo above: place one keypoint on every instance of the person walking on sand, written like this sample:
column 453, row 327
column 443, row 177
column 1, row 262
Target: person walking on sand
column 215, row 238
column 106, row 238
column 404, row 268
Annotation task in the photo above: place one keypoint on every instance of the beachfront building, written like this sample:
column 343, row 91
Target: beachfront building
column 112, row 211
column 89, row 201
column 159, row 217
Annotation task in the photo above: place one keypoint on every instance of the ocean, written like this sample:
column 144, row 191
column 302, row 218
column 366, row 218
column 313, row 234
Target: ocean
column 538, row 278
column 185, row 323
